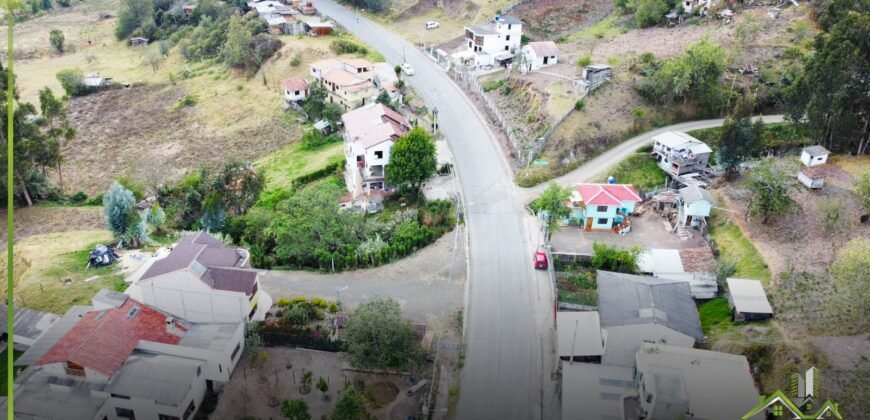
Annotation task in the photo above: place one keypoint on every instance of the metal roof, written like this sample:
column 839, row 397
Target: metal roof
column 579, row 334
column 816, row 150
column 161, row 378
column 693, row 193
column 488, row 29
column 512, row 20
column 595, row 392
column 626, row 299
column 748, row 296
column 35, row 396
column 209, row 336
column 29, row 324
column 621, row 343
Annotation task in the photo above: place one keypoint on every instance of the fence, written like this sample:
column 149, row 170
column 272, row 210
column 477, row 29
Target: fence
column 437, row 55
column 276, row 339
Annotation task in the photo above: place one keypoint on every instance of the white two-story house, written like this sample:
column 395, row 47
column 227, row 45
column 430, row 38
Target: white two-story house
column 203, row 280
column 121, row 359
column 679, row 153
column 495, row 42
column 369, row 135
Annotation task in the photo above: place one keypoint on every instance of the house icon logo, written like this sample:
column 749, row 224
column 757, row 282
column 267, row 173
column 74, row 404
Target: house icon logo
column 803, row 404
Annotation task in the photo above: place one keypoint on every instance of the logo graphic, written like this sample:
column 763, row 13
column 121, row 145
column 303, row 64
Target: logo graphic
column 803, row 404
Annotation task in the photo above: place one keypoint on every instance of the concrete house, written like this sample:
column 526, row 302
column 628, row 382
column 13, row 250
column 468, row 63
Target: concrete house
column 580, row 337
column 748, row 301
column 604, row 207
column 695, row 206
column 202, row 280
column 494, row 43
column 348, row 83
column 295, row 89
column 540, row 54
column 677, row 382
column 121, row 359
column 678, row 153
column 812, row 176
column 814, row 156
column 369, row 135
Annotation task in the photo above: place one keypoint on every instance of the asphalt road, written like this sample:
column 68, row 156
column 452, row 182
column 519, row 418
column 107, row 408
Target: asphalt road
column 506, row 325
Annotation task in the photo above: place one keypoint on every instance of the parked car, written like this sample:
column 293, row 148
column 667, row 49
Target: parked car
column 540, row 260
column 432, row 25
column 408, row 69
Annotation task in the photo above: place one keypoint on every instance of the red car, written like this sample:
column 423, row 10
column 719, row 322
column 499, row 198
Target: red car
column 541, row 260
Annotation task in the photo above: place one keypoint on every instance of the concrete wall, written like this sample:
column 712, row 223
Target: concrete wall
column 185, row 296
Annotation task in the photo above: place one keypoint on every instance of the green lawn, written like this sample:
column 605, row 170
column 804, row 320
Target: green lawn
column 715, row 315
column 639, row 170
column 735, row 247
column 282, row 167
column 3, row 371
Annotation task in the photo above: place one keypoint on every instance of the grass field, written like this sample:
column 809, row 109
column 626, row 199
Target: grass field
column 4, row 371
column 715, row 314
column 51, row 272
column 291, row 162
column 639, row 170
column 734, row 246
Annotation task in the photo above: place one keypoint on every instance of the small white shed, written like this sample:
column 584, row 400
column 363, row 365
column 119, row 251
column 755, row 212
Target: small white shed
column 540, row 54
column 696, row 205
column 747, row 300
column 814, row 155
column 812, row 177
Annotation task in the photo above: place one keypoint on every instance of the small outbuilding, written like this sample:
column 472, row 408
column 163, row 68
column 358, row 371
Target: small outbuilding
column 812, row 176
column 540, row 54
column 580, row 336
column 138, row 42
column 748, row 301
column 696, row 203
column 814, row 156
column 320, row 28
column 295, row 89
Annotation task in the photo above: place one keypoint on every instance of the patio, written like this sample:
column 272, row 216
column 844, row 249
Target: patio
column 647, row 231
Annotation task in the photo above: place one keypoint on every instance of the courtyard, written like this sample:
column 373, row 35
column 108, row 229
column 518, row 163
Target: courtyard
column 647, row 231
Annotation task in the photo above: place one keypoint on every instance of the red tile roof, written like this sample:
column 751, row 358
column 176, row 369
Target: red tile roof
column 295, row 84
column 103, row 340
column 607, row 194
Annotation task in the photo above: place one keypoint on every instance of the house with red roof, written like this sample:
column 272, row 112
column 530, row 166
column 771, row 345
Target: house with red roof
column 120, row 358
column 369, row 135
column 295, row 89
column 604, row 207
column 203, row 280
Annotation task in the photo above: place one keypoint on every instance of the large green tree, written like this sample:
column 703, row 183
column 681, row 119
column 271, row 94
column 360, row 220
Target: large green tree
column 741, row 139
column 412, row 160
column 830, row 97
column 237, row 49
column 553, row 202
column 650, row 12
column 132, row 15
column 57, row 128
column 769, row 183
column 122, row 217
column 696, row 74
column 377, row 337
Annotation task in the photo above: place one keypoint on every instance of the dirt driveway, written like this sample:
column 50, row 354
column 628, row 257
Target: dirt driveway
column 429, row 283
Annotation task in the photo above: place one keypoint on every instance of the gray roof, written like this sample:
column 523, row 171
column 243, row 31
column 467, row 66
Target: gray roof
column 693, row 193
column 209, row 336
column 625, row 299
column 34, row 397
column 483, row 29
column 52, row 335
column 622, row 342
column 29, row 324
column 109, row 298
column 594, row 392
column 579, row 334
column 816, row 150
column 512, row 20
column 164, row 379
column 748, row 296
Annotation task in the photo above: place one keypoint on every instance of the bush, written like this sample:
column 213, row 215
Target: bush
column 296, row 61
column 584, row 61
column 343, row 46
column 611, row 258
column 579, row 105
column 55, row 37
column 185, row 102
column 313, row 139
column 73, row 82
column 79, row 197
column 650, row 12
column 492, row 85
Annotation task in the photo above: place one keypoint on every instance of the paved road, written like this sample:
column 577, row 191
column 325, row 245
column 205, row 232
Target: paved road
column 508, row 338
column 597, row 166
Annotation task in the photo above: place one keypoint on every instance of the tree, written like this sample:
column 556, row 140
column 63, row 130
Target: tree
column 611, row 258
column 132, row 15
column 350, row 406
column 650, row 12
column 695, row 74
column 769, row 184
column 322, row 386
column 862, row 192
column 851, row 275
column 55, row 37
column 384, row 99
column 553, row 202
column 377, row 337
column 398, row 70
column 153, row 57
column 305, row 387
column 237, row 48
column 830, row 97
column 412, row 160
column 73, row 82
column 740, row 138
column 295, row 410
column 122, row 218
column 316, row 101
column 58, row 128
column 156, row 217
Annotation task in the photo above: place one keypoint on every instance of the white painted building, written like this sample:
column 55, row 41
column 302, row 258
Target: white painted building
column 814, row 156
column 369, row 135
column 678, row 153
column 695, row 205
column 537, row 55
column 295, row 89
column 121, row 359
column 202, row 280
column 495, row 42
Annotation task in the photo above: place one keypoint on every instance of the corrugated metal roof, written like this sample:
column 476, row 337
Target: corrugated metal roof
column 161, row 378
column 816, row 150
column 748, row 296
column 579, row 334
column 692, row 193
column 622, row 342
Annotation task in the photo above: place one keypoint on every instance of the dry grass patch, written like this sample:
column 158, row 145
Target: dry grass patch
column 38, row 220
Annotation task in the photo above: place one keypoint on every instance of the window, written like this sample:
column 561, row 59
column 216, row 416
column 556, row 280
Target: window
column 75, row 369
column 236, row 351
column 379, row 154
column 167, row 417
column 296, row 92
column 190, row 409
column 123, row 397
column 125, row 413
column 506, row 48
column 601, row 209
column 649, row 398
column 602, row 221
column 507, row 38
column 198, row 371
column 220, row 368
column 509, row 26
column 777, row 410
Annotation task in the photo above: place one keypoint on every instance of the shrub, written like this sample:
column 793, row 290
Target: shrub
column 584, row 61
column 296, row 61
column 579, row 105
column 611, row 258
column 79, row 197
column 650, row 12
column 73, row 82
column 492, row 85
column 343, row 46
column 186, row 101
column 55, row 37
column 313, row 139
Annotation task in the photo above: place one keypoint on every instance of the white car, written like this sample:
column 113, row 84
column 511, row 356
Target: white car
column 408, row 69
column 432, row 25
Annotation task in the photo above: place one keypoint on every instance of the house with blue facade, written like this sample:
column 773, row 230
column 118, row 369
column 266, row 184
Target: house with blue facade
column 604, row 207
column 695, row 205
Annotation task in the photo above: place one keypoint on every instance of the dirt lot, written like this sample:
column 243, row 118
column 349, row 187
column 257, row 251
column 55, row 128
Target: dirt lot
column 44, row 219
column 257, row 392
column 550, row 19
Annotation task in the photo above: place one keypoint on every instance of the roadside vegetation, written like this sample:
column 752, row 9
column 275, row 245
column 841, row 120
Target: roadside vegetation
column 639, row 170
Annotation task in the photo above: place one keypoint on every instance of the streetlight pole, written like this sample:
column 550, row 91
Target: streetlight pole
column 338, row 291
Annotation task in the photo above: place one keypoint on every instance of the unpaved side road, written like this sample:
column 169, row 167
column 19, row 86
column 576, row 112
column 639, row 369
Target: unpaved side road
column 429, row 283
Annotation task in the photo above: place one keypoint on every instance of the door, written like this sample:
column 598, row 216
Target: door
column 589, row 224
column 546, row 60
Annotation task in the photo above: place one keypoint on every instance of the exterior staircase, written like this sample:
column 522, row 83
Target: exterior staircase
column 683, row 233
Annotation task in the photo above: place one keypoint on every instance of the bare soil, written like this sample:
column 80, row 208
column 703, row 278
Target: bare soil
column 138, row 132
column 549, row 19
column 38, row 220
